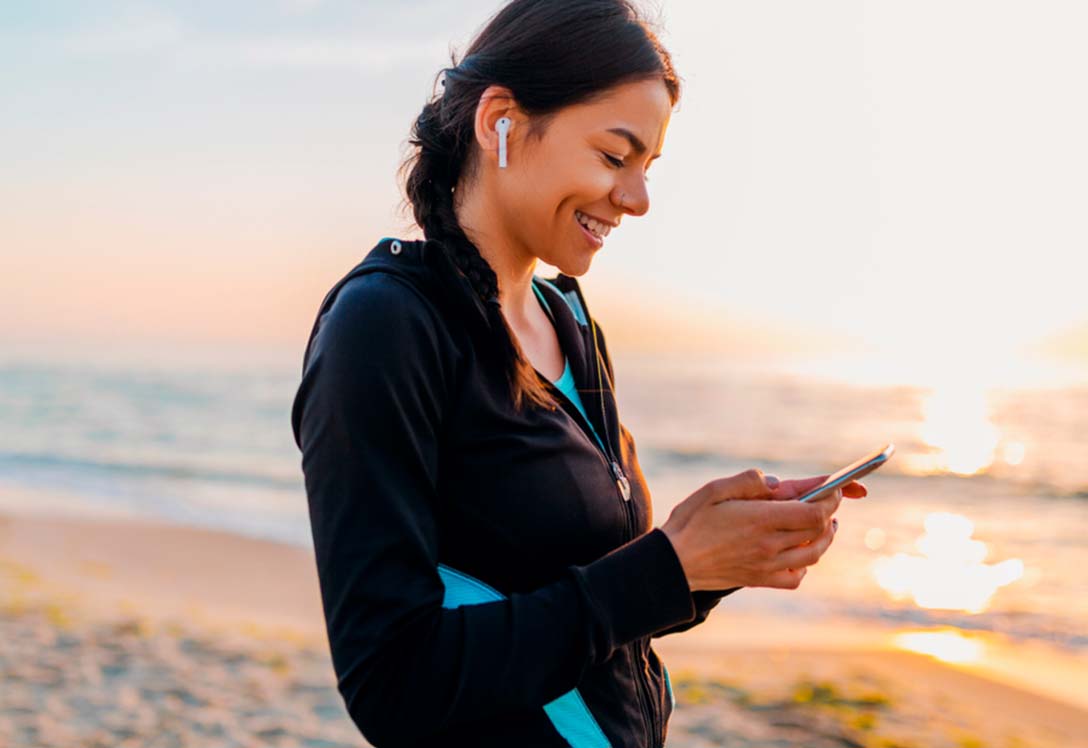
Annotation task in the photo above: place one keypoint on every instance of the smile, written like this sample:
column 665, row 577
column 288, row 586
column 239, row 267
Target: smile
column 594, row 230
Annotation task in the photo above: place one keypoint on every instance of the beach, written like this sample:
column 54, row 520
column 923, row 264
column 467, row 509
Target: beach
column 128, row 632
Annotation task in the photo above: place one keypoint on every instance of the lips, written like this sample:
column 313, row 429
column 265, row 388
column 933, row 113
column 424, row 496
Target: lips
column 595, row 225
column 594, row 240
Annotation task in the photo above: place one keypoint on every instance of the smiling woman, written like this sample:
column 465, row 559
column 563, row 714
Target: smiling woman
column 489, row 567
column 442, row 467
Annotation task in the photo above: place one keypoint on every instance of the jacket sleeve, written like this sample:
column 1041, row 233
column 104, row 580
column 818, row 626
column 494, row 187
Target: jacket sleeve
column 368, row 418
column 702, row 600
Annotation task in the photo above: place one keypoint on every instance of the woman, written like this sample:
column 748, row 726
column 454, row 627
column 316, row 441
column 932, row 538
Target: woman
column 489, row 568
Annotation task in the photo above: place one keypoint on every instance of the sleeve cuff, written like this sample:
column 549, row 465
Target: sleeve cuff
column 710, row 596
column 640, row 588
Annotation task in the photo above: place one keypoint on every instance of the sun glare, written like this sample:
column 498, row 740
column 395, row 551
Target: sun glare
column 949, row 573
column 957, row 429
column 948, row 645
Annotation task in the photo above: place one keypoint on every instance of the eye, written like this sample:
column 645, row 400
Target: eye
column 618, row 163
column 613, row 160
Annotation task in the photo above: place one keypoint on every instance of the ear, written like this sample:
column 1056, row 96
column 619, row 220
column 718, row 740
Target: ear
column 497, row 102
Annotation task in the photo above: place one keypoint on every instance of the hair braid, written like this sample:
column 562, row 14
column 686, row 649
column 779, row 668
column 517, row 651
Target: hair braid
column 550, row 55
column 430, row 184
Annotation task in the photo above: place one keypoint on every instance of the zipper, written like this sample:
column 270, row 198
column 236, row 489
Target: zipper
column 643, row 700
column 607, row 455
column 649, row 714
column 622, row 483
column 612, row 465
column 655, row 714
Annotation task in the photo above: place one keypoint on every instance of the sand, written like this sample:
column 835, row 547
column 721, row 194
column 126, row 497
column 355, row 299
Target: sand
column 117, row 632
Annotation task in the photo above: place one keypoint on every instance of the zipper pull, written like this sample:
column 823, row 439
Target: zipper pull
column 621, row 481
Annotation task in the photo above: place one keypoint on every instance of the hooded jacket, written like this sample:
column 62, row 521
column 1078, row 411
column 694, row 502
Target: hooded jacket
column 421, row 476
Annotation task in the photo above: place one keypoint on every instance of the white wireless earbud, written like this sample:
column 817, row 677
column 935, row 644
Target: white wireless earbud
column 502, row 127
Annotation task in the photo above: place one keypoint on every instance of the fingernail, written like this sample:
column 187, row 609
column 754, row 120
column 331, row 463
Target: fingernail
column 771, row 481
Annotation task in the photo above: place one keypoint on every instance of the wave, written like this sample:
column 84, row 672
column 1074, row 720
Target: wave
column 680, row 458
column 177, row 471
column 1019, row 624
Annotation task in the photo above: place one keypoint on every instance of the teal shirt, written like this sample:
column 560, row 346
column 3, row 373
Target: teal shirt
column 565, row 383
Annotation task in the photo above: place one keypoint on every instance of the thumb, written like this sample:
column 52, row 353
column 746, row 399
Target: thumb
column 791, row 489
column 750, row 484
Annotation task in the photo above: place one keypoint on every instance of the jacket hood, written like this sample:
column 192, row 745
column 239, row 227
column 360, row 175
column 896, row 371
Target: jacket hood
column 427, row 264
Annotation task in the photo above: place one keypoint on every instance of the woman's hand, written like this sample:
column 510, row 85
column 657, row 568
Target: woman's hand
column 792, row 489
column 740, row 531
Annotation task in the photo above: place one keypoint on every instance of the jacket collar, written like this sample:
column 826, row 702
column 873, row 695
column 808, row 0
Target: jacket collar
column 426, row 261
column 573, row 335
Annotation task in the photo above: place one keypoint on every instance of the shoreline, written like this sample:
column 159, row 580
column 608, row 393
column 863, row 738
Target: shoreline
column 159, row 571
column 63, row 578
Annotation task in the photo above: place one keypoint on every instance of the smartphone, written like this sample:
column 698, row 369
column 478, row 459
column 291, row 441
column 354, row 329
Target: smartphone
column 864, row 466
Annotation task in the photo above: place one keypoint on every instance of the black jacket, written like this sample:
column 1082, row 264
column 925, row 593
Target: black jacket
column 413, row 456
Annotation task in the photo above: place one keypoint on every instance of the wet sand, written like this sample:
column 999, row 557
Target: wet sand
column 117, row 632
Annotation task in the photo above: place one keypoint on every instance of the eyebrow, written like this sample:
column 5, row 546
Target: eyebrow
column 633, row 139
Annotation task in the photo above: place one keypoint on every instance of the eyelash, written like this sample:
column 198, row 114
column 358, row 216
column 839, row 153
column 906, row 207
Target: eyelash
column 619, row 164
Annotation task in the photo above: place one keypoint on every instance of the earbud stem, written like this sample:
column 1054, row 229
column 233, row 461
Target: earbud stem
column 502, row 127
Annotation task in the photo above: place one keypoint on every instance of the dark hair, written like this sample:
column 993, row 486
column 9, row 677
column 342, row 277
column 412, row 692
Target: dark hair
column 551, row 54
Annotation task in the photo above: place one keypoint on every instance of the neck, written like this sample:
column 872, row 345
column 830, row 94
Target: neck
column 513, row 264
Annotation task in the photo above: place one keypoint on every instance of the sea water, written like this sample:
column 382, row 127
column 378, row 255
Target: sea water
column 977, row 522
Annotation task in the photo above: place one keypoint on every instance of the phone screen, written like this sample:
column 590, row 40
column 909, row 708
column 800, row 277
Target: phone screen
column 853, row 471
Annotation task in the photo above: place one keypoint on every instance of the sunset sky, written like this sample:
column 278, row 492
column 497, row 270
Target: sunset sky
column 903, row 180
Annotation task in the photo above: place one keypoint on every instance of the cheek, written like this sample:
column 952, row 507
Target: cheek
column 542, row 199
column 546, row 196
column 578, row 185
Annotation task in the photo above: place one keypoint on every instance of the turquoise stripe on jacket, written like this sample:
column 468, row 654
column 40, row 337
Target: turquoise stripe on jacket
column 569, row 713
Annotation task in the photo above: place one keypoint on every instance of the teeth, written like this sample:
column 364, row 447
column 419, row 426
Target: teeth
column 595, row 226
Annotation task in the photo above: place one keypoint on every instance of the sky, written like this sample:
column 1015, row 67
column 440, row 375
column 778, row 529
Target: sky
column 903, row 182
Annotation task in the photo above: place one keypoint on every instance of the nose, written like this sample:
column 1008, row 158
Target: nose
column 631, row 195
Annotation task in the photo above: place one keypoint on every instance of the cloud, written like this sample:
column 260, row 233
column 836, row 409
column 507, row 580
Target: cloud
column 168, row 38
column 124, row 36
column 300, row 7
column 352, row 54
column 1070, row 343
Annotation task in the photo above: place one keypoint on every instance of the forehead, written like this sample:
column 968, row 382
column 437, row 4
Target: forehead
column 642, row 107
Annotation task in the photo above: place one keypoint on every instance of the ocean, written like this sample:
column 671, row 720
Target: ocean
column 977, row 522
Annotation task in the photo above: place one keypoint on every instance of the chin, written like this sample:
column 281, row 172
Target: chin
column 575, row 269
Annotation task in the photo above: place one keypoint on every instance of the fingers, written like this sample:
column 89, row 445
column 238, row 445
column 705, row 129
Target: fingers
column 789, row 579
column 754, row 484
column 785, row 539
column 791, row 489
column 804, row 555
column 855, row 490
column 750, row 484
column 833, row 499
column 795, row 515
